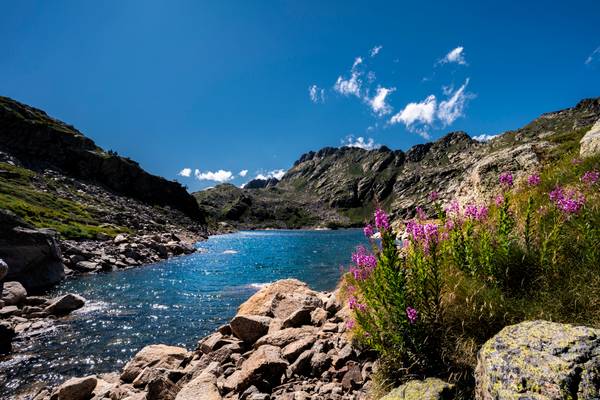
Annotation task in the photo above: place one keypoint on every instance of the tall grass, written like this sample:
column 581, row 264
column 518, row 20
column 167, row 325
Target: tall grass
column 427, row 303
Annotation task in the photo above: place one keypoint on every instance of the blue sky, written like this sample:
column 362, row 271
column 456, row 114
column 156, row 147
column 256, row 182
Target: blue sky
column 226, row 86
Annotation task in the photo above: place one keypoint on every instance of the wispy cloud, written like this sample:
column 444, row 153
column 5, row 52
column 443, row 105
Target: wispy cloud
column 317, row 94
column 351, row 86
column 360, row 142
column 456, row 56
column 217, row 176
column 378, row 102
column 186, row 172
column 595, row 56
column 375, row 50
column 484, row 137
column 453, row 108
column 243, row 173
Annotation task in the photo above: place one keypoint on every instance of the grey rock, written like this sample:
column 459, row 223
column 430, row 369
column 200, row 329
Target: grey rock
column 590, row 142
column 13, row 293
column 542, row 360
column 77, row 388
column 428, row 389
column 65, row 304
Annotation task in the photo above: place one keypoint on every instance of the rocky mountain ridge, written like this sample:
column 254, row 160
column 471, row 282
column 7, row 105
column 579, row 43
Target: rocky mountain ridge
column 341, row 186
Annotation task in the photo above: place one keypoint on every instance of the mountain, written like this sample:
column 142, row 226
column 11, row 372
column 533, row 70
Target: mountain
column 40, row 142
column 341, row 186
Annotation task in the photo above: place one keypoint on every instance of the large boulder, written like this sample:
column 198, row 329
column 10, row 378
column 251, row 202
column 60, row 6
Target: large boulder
column 263, row 368
column 13, row 293
column 203, row 387
column 33, row 255
column 65, row 304
column 250, row 328
column 540, row 360
column 590, row 142
column 281, row 299
column 76, row 389
column 428, row 389
column 154, row 356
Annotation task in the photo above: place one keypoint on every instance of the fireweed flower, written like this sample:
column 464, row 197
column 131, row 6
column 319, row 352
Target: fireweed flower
column 381, row 219
column 350, row 324
column 433, row 196
column 453, row 208
column 499, row 200
column 590, row 177
column 478, row 213
column 533, row 180
column 368, row 230
column 355, row 305
column 569, row 202
column 411, row 314
column 421, row 213
column 364, row 264
column 506, row 179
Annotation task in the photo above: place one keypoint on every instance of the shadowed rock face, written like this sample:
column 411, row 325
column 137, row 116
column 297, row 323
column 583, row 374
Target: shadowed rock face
column 33, row 255
column 40, row 141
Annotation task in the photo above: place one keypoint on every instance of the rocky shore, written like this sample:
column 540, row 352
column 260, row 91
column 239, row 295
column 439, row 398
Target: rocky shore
column 290, row 342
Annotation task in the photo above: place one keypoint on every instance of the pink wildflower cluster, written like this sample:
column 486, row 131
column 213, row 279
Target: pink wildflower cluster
column 350, row 324
column 381, row 219
column 533, row 180
column 420, row 213
column 355, row 305
column 506, row 179
column 368, row 230
column 411, row 314
column 453, row 208
column 433, row 196
column 426, row 234
column 590, row 177
column 570, row 202
column 364, row 264
column 478, row 213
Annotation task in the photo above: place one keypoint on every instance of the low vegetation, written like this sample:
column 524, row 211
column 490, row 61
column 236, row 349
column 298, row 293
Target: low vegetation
column 44, row 209
column 427, row 303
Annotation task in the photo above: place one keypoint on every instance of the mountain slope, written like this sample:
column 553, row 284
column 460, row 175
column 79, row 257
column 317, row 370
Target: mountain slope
column 41, row 142
column 347, row 183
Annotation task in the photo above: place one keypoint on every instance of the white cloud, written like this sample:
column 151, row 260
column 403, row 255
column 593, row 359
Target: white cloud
column 484, row 138
column 595, row 56
column 243, row 173
column 360, row 142
column 218, row 176
column 378, row 103
column 456, row 55
column 453, row 108
column 317, row 95
column 276, row 173
column 186, row 172
column 417, row 113
column 375, row 50
column 351, row 86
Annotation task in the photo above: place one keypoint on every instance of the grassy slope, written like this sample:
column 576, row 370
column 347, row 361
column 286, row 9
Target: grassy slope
column 45, row 209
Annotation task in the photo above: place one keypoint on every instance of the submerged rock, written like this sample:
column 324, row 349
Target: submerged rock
column 540, row 360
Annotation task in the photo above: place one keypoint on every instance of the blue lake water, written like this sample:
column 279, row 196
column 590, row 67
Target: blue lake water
column 174, row 302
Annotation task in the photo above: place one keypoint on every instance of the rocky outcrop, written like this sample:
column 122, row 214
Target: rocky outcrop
column 32, row 255
column 590, row 143
column 428, row 389
column 76, row 389
column 540, row 360
column 13, row 293
column 41, row 142
column 312, row 360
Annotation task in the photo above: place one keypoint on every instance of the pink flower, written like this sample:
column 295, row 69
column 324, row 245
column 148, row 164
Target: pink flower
column 474, row 212
column 421, row 213
column 364, row 263
column 506, row 179
column 433, row 196
column 590, row 177
column 499, row 200
column 368, row 230
column 453, row 208
column 534, row 180
column 355, row 305
column 350, row 324
column 570, row 202
column 412, row 315
column 381, row 219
